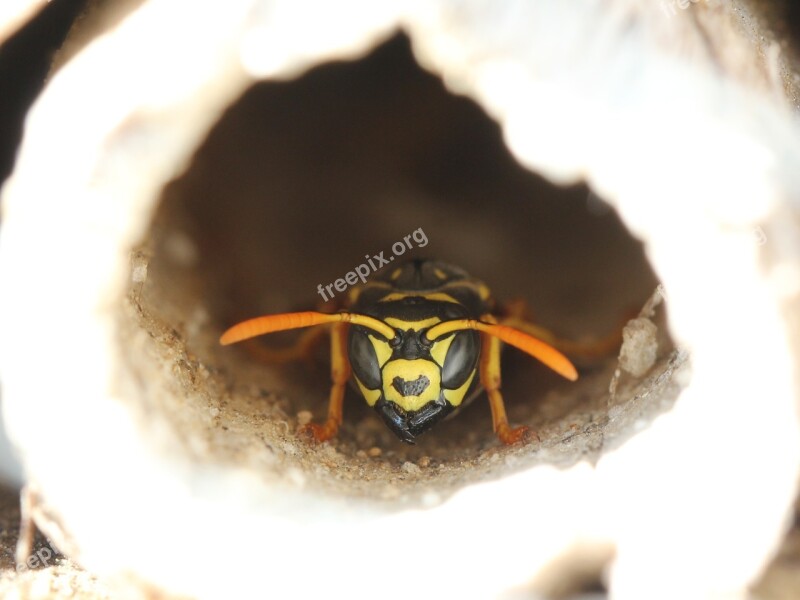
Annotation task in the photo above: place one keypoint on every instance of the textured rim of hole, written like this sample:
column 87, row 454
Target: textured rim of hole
column 197, row 249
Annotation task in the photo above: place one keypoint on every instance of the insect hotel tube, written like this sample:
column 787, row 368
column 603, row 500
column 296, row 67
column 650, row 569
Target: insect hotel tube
column 195, row 189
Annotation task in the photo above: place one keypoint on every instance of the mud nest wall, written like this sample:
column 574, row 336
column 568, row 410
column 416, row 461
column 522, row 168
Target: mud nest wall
column 290, row 187
column 231, row 178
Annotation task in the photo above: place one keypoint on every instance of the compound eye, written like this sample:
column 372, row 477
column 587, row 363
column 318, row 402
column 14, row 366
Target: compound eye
column 462, row 356
column 363, row 358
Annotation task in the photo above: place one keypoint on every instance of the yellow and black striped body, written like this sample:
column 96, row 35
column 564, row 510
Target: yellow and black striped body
column 413, row 382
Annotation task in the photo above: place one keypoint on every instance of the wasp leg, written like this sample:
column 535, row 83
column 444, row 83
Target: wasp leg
column 27, row 527
column 491, row 380
column 589, row 349
column 340, row 373
column 518, row 315
column 302, row 349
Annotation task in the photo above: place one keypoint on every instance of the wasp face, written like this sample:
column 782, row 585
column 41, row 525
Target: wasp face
column 411, row 381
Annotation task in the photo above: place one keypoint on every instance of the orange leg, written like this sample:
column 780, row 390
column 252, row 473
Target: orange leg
column 340, row 373
column 518, row 315
column 590, row 349
column 302, row 349
column 491, row 381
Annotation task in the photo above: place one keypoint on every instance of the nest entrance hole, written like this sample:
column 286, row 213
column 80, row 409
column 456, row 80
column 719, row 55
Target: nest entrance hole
column 296, row 183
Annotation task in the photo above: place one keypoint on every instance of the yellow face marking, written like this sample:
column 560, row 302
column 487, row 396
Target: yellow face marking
column 382, row 350
column 410, row 370
column 415, row 325
column 440, row 274
column 456, row 396
column 396, row 274
column 440, row 348
column 371, row 396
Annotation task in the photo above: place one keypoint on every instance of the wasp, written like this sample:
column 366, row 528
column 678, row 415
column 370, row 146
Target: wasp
column 415, row 342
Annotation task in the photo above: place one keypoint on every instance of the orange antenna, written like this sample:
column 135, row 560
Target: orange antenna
column 285, row 321
column 538, row 349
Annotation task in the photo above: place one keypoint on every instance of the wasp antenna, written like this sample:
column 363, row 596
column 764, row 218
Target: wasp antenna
column 286, row 321
column 272, row 323
column 536, row 348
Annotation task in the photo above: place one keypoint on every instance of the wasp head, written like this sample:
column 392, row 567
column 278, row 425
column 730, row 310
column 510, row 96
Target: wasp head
column 411, row 381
